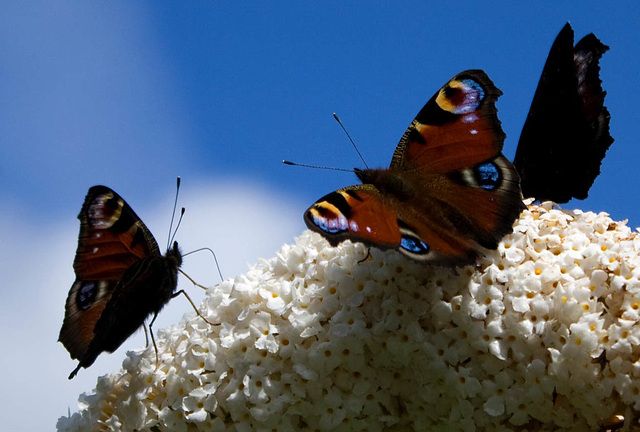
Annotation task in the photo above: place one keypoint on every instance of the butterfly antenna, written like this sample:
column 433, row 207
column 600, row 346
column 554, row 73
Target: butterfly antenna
column 335, row 116
column 214, row 258
column 173, row 214
column 286, row 162
column 177, row 226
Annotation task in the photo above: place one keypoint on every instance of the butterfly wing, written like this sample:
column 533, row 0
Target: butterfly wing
column 457, row 128
column 362, row 213
column 355, row 212
column 451, row 153
column 449, row 191
column 112, row 238
column 566, row 134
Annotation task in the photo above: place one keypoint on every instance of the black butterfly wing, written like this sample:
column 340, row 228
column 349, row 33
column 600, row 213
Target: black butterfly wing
column 566, row 134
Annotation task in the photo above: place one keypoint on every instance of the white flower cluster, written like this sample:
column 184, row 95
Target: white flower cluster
column 542, row 334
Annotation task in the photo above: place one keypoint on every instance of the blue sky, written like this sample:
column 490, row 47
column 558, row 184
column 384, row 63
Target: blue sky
column 132, row 94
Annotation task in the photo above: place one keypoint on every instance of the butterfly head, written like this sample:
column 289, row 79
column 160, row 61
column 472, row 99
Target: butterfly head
column 174, row 255
column 362, row 174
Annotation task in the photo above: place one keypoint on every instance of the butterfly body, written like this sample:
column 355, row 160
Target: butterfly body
column 448, row 192
column 121, row 278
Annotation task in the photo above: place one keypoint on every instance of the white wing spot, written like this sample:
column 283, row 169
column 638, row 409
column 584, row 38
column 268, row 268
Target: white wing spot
column 469, row 118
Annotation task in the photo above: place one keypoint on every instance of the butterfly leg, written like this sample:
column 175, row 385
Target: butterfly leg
column 193, row 282
column 176, row 294
column 146, row 335
column 75, row 371
column 153, row 339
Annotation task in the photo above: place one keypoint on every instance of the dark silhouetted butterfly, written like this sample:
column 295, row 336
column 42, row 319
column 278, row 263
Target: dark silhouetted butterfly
column 566, row 134
column 121, row 278
column 449, row 191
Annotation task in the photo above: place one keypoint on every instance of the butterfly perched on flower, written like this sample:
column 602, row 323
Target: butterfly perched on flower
column 449, row 192
column 121, row 278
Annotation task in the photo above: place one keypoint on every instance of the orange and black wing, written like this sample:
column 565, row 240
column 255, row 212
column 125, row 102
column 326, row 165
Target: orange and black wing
column 457, row 128
column 112, row 238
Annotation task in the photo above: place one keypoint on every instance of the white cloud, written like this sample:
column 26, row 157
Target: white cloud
column 240, row 222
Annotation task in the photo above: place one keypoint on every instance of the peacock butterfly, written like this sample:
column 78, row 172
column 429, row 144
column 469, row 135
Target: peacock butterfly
column 449, row 191
column 121, row 278
column 566, row 134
